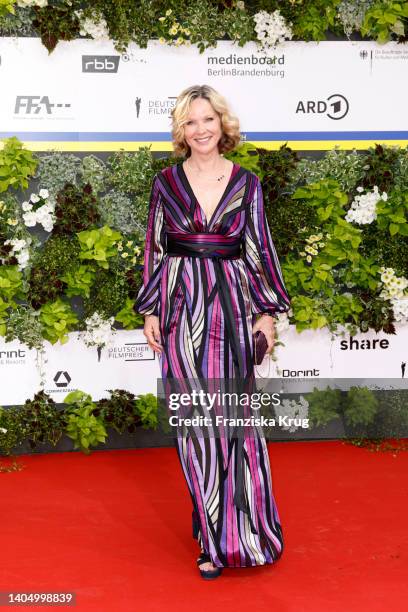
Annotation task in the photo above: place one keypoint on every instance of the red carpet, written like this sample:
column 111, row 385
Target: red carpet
column 115, row 528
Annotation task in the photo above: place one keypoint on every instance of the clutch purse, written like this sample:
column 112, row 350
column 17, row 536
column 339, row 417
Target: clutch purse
column 260, row 346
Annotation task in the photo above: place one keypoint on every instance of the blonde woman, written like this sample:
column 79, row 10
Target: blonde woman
column 211, row 280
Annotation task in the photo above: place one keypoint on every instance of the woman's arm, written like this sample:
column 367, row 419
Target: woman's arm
column 148, row 299
column 269, row 295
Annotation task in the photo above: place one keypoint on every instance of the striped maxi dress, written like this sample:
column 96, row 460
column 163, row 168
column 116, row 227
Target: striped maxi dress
column 206, row 306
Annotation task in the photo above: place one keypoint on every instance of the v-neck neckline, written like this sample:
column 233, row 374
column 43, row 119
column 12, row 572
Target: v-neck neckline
column 195, row 199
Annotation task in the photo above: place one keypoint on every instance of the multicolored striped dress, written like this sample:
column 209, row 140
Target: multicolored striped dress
column 206, row 280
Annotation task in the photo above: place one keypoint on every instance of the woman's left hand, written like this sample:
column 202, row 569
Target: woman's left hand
column 266, row 324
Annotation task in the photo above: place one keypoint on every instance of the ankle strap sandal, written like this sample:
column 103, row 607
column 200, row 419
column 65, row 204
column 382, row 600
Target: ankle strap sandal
column 208, row 574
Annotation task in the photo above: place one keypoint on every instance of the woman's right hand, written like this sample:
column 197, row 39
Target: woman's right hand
column 152, row 332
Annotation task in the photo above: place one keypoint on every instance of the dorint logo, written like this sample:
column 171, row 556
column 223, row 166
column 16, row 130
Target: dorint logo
column 100, row 64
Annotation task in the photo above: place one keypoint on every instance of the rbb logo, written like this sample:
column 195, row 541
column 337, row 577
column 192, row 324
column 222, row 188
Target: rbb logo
column 100, row 63
column 62, row 379
column 34, row 104
column 336, row 107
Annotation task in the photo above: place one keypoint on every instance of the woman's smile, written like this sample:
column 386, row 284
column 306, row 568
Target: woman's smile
column 203, row 140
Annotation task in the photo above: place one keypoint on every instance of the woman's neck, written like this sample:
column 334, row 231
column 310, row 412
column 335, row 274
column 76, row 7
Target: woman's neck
column 206, row 163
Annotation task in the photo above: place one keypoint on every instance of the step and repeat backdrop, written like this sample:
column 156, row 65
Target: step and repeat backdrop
column 128, row 363
column 87, row 97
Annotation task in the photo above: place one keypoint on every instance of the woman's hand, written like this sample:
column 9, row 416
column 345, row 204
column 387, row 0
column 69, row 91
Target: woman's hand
column 266, row 324
column 152, row 332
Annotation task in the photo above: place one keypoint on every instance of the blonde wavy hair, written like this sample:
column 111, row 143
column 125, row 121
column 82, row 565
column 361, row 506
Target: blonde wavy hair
column 229, row 123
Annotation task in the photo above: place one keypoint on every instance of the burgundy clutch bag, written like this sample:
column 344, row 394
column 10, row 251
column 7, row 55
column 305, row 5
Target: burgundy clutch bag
column 260, row 346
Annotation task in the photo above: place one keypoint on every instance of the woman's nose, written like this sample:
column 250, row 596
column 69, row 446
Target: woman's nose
column 201, row 129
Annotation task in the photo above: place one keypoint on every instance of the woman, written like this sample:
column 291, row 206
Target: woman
column 211, row 270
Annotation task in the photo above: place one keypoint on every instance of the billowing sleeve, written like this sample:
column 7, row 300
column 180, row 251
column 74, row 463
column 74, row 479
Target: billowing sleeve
column 147, row 300
column 266, row 285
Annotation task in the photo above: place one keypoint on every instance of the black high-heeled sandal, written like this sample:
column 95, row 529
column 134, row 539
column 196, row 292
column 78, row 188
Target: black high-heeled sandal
column 208, row 574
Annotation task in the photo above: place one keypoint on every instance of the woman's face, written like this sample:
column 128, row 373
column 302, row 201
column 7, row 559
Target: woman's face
column 202, row 131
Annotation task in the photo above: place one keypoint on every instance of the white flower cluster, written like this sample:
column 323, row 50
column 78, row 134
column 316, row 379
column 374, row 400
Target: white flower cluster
column 27, row 3
column 282, row 321
column 20, row 251
column 99, row 331
column 394, row 291
column 400, row 309
column 38, row 210
column 271, row 28
column 3, row 430
column 363, row 208
column 96, row 27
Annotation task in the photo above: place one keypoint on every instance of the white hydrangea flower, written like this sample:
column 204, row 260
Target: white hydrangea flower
column 30, row 219
column 96, row 27
column 20, row 251
column 16, row 243
column 43, row 193
column 271, row 28
column 99, row 331
column 44, row 215
column 23, row 258
column 48, row 226
column 363, row 209
column 400, row 309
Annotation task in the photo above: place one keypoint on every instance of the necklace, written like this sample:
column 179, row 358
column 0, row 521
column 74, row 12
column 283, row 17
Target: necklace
column 218, row 178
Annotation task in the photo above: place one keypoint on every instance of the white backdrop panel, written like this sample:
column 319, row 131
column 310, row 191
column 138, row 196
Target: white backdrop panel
column 86, row 86
column 130, row 364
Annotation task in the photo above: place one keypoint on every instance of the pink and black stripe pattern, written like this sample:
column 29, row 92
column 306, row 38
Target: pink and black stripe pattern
column 206, row 297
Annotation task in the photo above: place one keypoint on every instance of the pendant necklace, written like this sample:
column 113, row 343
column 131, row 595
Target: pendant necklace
column 218, row 178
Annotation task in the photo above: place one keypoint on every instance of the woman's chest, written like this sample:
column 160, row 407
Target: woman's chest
column 208, row 195
column 202, row 205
